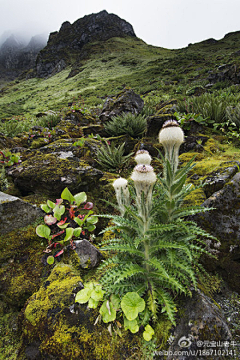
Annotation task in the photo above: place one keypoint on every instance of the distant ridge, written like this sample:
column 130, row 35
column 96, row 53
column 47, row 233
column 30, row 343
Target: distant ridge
column 68, row 43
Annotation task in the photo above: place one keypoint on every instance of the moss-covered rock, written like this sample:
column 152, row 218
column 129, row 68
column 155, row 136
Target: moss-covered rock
column 53, row 327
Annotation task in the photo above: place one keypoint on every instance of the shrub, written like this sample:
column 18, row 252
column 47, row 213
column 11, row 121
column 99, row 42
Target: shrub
column 127, row 123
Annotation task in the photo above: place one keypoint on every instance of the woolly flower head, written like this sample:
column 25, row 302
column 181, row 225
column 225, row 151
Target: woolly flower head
column 120, row 183
column 171, row 134
column 143, row 157
column 144, row 174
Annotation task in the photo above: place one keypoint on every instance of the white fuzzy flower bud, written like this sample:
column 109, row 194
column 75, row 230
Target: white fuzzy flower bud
column 171, row 137
column 143, row 157
column 122, row 193
column 144, row 178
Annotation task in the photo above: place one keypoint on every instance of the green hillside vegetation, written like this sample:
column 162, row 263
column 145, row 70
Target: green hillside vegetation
column 157, row 74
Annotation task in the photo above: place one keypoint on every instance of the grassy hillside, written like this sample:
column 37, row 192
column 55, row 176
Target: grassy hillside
column 157, row 74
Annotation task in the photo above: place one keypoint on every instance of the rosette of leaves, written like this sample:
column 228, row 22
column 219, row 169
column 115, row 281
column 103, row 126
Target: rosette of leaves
column 69, row 217
column 8, row 159
column 112, row 157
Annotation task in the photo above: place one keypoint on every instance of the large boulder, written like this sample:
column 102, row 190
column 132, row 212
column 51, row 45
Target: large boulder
column 223, row 222
column 16, row 213
column 126, row 101
column 201, row 323
column 54, row 327
column 51, row 168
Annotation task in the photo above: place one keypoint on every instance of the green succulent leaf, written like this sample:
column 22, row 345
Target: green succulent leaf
column 132, row 304
column 63, row 226
column 51, row 204
column 67, row 195
column 92, row 220
column 45, row 208
column 50, row 260
column 107, row 312
column 91, row 227
column 77, row 231
column 43, row 231
column 58, row 211
column 78, row 221
column 148, row 333
column 69, row 234
column 80, row 198
column 131, row 325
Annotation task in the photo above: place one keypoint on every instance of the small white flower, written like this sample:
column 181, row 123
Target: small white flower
column 143, row 157
column 122, row 193
column 171, row 137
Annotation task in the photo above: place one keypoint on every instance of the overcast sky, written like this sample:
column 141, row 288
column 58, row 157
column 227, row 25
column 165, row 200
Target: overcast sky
column 167, row 23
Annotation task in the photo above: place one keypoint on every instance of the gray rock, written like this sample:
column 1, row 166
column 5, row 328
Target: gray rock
column 202, row 323
column 89, row 255
column 126, row 101
column 223, row 223
column 16, row 213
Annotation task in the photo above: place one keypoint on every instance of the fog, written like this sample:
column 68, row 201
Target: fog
column 167, row 23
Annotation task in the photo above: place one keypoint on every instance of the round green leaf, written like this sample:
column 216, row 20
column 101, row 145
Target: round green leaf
column 80, row 198
column 92, row 304
column 148, row 333
column 43, row 231
column 107, row 312
column 83, row 296
column 97, row 293
column 131, row 325
column 50, row 260
column 90, row 227
column 132, row 304
column 92, row 219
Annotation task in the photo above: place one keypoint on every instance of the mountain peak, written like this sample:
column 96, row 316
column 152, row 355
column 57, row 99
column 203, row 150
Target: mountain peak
column 69, row 42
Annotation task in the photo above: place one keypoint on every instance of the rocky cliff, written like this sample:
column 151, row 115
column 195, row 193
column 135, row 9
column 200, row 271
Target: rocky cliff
column 67, row 46
column 16, row 56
